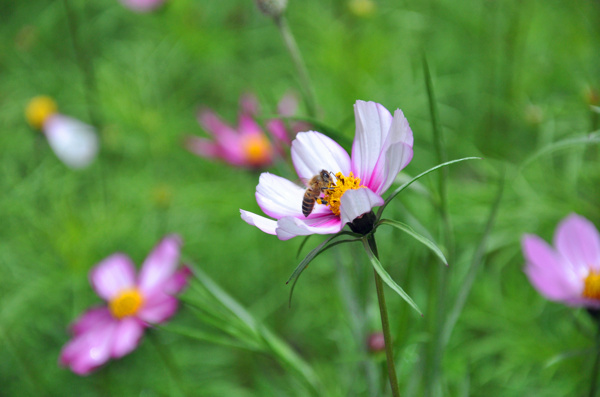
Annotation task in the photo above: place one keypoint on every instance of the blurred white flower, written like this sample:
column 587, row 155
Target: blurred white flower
column 74, row 142
column 142, row 5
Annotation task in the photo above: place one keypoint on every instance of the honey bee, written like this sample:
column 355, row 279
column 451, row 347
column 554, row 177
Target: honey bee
column 316, row 185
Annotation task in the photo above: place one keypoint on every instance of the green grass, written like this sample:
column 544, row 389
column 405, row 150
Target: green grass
column 509, row 80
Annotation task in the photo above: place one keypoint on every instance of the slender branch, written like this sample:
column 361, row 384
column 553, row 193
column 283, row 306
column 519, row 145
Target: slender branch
column 385, row 324
column 292, row 47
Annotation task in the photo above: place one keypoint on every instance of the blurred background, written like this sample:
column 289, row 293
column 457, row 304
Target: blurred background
column 514, row 82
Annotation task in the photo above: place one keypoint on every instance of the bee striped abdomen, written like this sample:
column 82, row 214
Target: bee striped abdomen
column 308, row 203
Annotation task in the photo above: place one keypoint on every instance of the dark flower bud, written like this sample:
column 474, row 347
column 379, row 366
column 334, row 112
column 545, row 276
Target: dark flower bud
column 364, row 223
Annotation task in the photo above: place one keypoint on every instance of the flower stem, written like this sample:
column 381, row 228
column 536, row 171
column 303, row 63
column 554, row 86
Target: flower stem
column 170, row 364
column 292, row 47
column 385, row 324
column 596, row 367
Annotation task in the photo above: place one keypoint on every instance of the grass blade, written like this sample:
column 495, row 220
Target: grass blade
column 586, row 139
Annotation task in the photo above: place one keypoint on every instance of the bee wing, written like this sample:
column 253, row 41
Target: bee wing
column 302, row 182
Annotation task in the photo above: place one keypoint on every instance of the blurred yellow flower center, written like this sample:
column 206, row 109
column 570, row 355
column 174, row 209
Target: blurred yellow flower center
column 39, row 109
column 258, row 149
column 333, row 195
column 127, row 303
column 591, row 288
column 362, row 8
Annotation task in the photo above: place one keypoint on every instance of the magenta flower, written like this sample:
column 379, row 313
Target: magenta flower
column 246, row 145
column 382, row 147
column 133, row 303
column 569, row 272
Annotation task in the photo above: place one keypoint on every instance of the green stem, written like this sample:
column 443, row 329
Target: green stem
column 596, row 367
column 385, row 324
column 292, row 47
column 169, row 363
column 85, row 65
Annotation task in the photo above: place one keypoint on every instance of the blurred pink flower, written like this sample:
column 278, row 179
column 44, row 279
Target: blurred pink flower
column 134, row 303
column 569, row 272
column 246, row 145
column 142, row 5
column 382, row 148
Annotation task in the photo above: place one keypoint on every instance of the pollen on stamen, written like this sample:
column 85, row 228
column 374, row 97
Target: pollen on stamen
column 127, row 303
column 333, row 195
column 591, row 287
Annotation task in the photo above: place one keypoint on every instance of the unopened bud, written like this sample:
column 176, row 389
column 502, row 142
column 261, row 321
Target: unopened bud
column 534, row 115
column 591, row 96
column 376, row 342
column 272, row 8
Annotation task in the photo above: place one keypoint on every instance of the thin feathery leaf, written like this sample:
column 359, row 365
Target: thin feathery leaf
column 422, row 174
column 422, row 239
column 302, row 244
column 312, row 255
column 387, row 278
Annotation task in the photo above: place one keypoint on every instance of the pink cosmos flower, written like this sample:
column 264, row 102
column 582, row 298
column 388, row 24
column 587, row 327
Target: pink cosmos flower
column 133, row 303
column 569, row 272
column 142, row 5
column 246, row 145
column 382, row 147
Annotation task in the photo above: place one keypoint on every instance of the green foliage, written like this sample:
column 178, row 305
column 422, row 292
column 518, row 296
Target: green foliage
column 509, row 81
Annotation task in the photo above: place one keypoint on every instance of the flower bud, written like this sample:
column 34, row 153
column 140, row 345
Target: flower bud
column 376, row 342
column 363, row 224
column 272, row 8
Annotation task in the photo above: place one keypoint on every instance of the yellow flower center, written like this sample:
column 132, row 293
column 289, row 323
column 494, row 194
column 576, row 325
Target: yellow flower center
column 591, row 288
column 333, row 195
column 258, row 149
column 127, row 303
column 39, row 109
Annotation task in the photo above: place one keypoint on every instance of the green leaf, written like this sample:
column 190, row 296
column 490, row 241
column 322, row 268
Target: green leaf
column 387, row 278
column 302, row 244
column 308, row 258
column 194, row 333
column 422, row 239
column 422, row 174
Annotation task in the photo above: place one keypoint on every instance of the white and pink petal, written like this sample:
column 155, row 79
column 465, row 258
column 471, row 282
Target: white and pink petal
column 289, row 227
column 313, row 152
column 373, row 122
column 74, row 143
column 265, row 224
column 279, row 197
column 355, row 203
